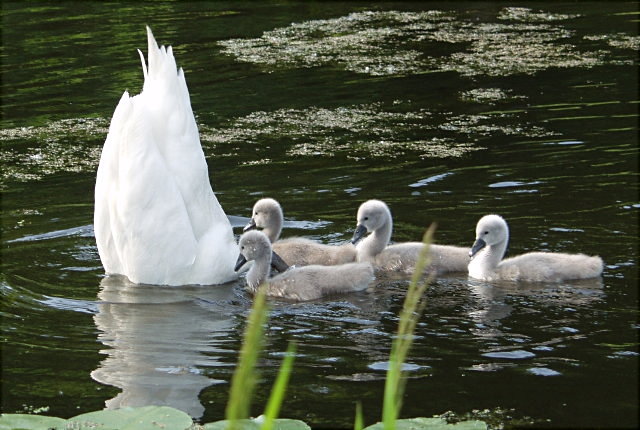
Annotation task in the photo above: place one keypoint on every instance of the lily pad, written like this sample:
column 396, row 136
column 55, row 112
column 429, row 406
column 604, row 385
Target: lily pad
column 431, row 424
column 30, row 422
column 279, row 424
column 147, row 417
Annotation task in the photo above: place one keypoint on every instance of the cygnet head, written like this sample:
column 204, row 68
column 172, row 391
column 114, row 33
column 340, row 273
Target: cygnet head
column 266, row 214
column 254, row 245
column 491, row 230
column 372, row 215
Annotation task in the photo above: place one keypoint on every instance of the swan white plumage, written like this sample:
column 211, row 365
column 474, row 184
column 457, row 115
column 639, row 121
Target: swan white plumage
column 156, row 219
column 296, row 251
column 298, row 283
column 492, row 238
column 375, row 217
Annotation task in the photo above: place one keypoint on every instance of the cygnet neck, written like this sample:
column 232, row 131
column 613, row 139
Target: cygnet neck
column 373, row 244
column 274, row 224
column 490, row 257
column 259, row 272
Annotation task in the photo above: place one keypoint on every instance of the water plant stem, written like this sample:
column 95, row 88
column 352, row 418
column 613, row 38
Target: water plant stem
column 414, row 304
column 279, row 387
column 245, row 376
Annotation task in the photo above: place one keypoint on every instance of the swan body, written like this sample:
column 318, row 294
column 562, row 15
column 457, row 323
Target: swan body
column 156, row 219
column 492, row 237
column 296, row 251
column 375, row 217
column 298, row 283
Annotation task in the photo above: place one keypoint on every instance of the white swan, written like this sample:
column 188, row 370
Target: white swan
column 492, row 237
column 296, row 251
column 299, row 283
column 156, row 218
column 374, row 217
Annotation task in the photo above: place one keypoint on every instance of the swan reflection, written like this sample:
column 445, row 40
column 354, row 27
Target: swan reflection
column 495, row 301
column 159, row 339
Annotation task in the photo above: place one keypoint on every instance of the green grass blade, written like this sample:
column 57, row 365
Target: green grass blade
column 245, row 376
column 279, row 387
column 358, row 423
column 412, row 308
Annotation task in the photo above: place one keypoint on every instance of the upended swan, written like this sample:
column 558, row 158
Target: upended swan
column 296, row 251
column 299, row 283
column 492, row 237
column 374, row 217
column 156, row 219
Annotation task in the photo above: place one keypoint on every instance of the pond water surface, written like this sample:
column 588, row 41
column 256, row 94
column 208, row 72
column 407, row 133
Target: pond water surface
column 447, row 111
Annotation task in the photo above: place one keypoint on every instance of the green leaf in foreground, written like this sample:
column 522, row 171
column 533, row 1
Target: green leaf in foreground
column 431, row 424
column 30, row 422
column 147, row 417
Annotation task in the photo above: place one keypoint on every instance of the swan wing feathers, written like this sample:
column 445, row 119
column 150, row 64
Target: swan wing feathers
column 156, row 218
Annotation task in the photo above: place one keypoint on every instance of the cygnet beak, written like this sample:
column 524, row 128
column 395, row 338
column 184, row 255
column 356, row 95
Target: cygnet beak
column 240, row 262
column 477, row 246
column 359, row 233
column 250, row 226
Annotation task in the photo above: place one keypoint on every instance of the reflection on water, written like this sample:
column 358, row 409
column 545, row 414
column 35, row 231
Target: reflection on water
column 159, row 340
column 493, row 300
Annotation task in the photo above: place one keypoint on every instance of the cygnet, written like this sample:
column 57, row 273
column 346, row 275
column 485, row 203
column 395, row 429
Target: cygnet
column 492, row 237
column 374, row 217
column 299, row 283
column 296, row 251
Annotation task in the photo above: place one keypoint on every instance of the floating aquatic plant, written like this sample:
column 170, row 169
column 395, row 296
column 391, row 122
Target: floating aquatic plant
column 360, row 131
column 489, row 95
column 386, row 43
column 528, row 15
column 618, row 40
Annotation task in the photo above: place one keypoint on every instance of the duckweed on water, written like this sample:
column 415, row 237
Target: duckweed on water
column 618, row 40
column 525, row 14
column 358, row 131
column 368, row 130
column 363, row 42
column 384, row 43
column 489, row 95
column 30, row 153
column 361, row 131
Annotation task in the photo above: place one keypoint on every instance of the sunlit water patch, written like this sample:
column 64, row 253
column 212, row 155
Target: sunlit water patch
column 385, row 43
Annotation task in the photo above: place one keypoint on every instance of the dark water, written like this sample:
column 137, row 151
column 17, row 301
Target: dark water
column 447, row 111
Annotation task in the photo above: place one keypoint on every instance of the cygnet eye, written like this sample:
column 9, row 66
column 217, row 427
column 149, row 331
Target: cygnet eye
column 242, row 247
column 486, row 232
column 366, row 218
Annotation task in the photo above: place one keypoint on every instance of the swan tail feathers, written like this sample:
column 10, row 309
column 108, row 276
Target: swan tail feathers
column 144, row 65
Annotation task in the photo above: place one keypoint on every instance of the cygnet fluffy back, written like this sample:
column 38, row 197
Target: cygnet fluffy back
column 299, row 283
column 296, row 251
column 492, row 238
column 374, row 217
